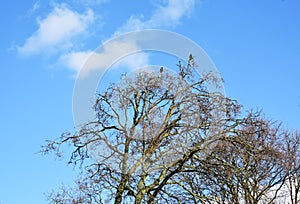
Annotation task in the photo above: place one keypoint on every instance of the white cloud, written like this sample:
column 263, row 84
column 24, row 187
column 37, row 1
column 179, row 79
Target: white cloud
column 165, row 16
column 134, row 61
column 60, row 28
column 57, row 30
column 34, row 8
column 172, row 13
column 91, row 2
column 91, row 60
column 76, row 60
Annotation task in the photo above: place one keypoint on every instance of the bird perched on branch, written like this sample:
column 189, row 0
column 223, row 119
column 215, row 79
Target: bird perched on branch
column 161, row 70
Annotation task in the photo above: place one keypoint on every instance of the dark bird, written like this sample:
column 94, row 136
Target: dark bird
column 161, row 70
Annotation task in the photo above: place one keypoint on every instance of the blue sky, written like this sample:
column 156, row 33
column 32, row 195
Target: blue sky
column 254, row 44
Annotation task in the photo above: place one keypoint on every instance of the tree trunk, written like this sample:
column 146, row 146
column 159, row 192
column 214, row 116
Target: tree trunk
column 120, row 190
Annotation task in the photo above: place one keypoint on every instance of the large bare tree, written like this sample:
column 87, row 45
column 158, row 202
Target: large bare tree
column 162, row 137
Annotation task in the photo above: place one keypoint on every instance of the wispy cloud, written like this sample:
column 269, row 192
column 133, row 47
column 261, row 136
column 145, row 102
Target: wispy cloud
column 102, row 60
column 57, row 30
column 76, row 60
column 90, row 2
column 165, row 16
column 34, row 8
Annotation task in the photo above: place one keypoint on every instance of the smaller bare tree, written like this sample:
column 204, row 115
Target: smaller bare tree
column 292, row 186
column 248, row 165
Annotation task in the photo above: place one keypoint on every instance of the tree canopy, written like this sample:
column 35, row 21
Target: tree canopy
column 163, row 137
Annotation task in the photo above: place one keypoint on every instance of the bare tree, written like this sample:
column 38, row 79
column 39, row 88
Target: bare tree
column 249, row 164
column 292, row 185
column 148, row 128
column 162, row 137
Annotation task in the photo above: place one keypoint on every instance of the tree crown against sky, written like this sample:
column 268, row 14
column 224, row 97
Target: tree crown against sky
column 254, row 44
column 160, row 136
